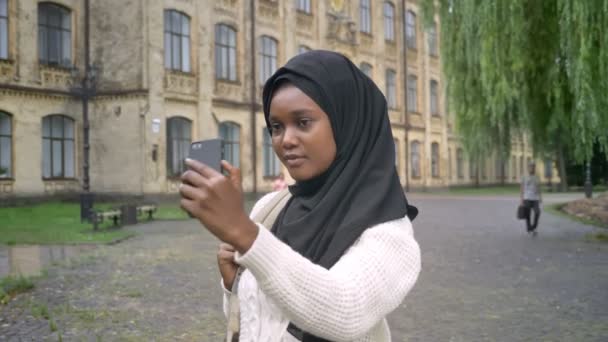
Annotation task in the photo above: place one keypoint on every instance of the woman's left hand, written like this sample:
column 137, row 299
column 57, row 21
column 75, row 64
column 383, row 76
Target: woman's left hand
column 217, row 202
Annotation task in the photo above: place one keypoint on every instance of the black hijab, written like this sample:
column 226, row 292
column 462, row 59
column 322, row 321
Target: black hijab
column 361, row 188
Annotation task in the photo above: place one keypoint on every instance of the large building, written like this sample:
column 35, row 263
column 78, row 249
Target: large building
column 161, row 74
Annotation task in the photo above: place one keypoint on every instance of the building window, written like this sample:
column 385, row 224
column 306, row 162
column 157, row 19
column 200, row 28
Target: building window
column 177, row 41
column 179, row 138
column 415, row 152
column 303, row 6
column 432, row 37
column 389, row 21
column 268, row 58
column 391, row 89
column 3, row 29
column 365, row 14
column 396, row 142
column 57, row 147
column 521, row 166
column 459, row 163
column 302, row 49
column 367, row 69
column 231, row 135
column 272, row 165
column 410, row 29
column 434, row 98
column 482, row 167
column 225, row 52
column 412, row 93
column 435, row 159
column 6, row 148
column 54, row 35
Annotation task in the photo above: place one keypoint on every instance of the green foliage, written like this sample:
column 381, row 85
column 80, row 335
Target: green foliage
column 530, row 67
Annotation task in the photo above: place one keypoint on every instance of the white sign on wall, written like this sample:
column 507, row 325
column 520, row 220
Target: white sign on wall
column 155, row 125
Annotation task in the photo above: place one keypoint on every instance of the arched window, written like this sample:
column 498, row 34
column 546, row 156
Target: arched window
column 6, row 145
column 58, row 147
column 435, row 159
column 179, row 138
column 459, row 163
column 225, row 52
column 268, row 57
column 54, row 35
column 365, row 16
column 391, row 88
column 367, row 69
column 410, row 29
column 272, row 164
column 415, row 158
column 177, row 41
column 231, row 135
column 3, row 29
column 389, row 21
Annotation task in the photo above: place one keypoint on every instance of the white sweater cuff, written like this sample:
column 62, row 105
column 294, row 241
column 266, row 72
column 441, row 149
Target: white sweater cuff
column 262, row 255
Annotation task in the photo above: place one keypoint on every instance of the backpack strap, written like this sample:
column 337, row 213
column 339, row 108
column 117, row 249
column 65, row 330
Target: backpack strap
column 266, row 216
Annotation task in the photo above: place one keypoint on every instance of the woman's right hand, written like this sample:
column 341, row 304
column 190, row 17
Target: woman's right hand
column 226, row 264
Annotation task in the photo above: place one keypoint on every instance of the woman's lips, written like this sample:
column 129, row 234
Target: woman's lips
column 294, row 161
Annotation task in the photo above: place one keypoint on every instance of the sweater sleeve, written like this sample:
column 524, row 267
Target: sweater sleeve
column 256, row 208
column 345, row 302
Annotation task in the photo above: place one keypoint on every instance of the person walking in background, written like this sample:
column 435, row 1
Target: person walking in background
column 279, row 183
column 531, row 198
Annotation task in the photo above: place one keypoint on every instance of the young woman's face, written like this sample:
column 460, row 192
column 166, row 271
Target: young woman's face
column 302, row 135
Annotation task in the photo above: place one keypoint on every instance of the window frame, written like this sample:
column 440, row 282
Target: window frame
column 434, row 97
column 412, row 93
column 62, row 140
column 46, row 32
column 415, row 159
column 391, row 89
column 225, row 70
column 180, row 37
column 365, row 16
column 411, row 38
column 304, row 6
column 268, row 59
column 4, row 29
column 366, row 66
column 435, row 172
column 3, row 137
column 271, row 163
column 389, row 21
column 432, row 41
column 180, row 139
column 231, row 140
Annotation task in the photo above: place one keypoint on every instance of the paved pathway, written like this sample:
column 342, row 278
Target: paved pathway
column 483, row 279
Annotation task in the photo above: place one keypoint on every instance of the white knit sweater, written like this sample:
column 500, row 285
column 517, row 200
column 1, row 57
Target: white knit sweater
column 348, row 302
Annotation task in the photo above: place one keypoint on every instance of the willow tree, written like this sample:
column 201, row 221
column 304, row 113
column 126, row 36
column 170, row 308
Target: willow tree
column 538, row 68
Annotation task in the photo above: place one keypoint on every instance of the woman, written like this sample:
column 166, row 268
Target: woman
column 341, row 254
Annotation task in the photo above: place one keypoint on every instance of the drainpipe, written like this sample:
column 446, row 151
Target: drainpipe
column 405, row 115
column 254, row 158
column 85, row 100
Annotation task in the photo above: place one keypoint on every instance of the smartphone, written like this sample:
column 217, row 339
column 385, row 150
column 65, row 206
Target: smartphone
column 208, row 152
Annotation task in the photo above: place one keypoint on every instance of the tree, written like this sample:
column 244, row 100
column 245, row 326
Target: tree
column 526, row 67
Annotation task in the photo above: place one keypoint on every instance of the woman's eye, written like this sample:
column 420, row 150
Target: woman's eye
column 275, row 128
column 304, row 123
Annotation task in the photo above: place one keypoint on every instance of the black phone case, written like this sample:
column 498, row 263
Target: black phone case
column 208, row 152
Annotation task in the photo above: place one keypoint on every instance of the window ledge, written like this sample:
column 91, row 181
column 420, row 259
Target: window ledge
column 59, row 179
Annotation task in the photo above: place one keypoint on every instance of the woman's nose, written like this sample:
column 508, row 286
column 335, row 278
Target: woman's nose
column 290, row 138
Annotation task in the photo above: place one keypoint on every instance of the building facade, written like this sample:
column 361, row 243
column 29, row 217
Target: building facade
column 164, row 73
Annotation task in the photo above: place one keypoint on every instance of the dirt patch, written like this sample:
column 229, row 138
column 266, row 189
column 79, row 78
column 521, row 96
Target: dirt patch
column 594, row 209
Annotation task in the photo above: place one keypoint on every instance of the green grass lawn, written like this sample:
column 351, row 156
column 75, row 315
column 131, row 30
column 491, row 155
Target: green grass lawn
column 486, row 190
column 59, row 223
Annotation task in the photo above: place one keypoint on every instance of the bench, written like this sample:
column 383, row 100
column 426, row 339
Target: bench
column 149, row 209
column 98, row 216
